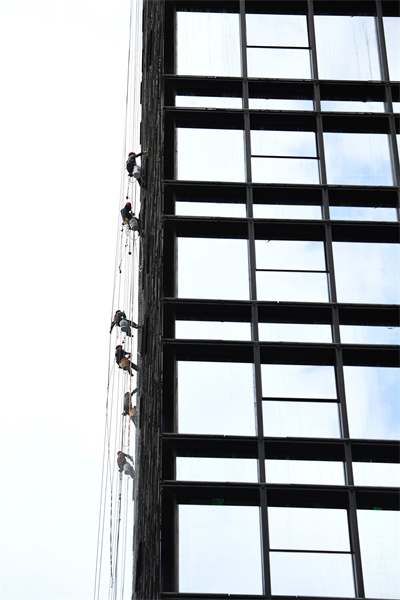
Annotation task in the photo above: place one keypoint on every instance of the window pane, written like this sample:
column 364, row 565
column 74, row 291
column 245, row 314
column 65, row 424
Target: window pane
column 308, row 529
column 300, row 419
column 295, row 332
column 208, row 102
column 284, row 254
column 363, row 213
column 380, row 553
column 376, row 474
column 358, row 158
column 311, row 574
column 210, row 154
column 216, row 469
column 392, row 36
column 283, row 143
column 215, row 398
column 284, row 170
column 276, row 104
column 286, row 211
column 219, row 549
column 210, row 209
column 372, row 396
column 218, row 37
column 276, row 30
column 213, row 268
column 372, row 274
column 278, row 64
column 362, row 334
column 301, row 287
column 313, row 472
column 341, row 37
column 341, row 106
column 213, row 330
column 298, row 381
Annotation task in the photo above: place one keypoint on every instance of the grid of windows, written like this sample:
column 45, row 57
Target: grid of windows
column 280, row 419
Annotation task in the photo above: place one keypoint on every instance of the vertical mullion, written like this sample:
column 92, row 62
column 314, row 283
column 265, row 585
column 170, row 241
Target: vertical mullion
column 384, row 65
column 355, row 544
column 254, row 310
column 339, row 371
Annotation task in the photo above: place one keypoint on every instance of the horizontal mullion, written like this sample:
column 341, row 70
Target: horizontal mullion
column 281, row 47
column 280, row 312
column 282, row 353
column 282, row 229
column 196, row 596
column 202, row 596
column 278, row 448
column 227, row 118
column 341, row 193
column 290, row 271
column 294, row 399
column 278, row 88
column 311, row 551
column 296, row 495
column 283, row 156
column 290, row 7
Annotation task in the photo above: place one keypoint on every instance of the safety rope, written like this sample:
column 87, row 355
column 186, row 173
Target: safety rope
column 117, row 429
column 124, row 536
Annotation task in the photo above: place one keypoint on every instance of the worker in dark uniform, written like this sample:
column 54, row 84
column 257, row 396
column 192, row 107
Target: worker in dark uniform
column 128, row 218
column 122, row 360
column 123, row 464
column 127, row 402
column 126, row 213
column 120, row 320
column 131, row 164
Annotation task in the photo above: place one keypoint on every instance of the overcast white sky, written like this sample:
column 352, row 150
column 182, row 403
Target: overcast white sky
column 63, row 82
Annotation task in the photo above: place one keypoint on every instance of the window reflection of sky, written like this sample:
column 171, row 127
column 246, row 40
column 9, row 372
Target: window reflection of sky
column 220, row 550
column 380, row 550
column 392, row 35
column 215, row 398
column 372, row 398
column 358, row 159
column 341, row 37
column 367, row 272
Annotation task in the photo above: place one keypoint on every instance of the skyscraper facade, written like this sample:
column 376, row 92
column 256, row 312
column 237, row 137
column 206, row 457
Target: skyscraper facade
column 268, row 455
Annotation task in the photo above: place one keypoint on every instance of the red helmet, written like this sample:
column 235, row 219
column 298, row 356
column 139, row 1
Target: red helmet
column 128, row 204
column 119, row 452
column 119, row 346
column 131, row 153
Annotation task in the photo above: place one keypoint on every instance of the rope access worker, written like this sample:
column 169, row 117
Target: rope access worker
column 128, row 218
column 123, row 464
column 133, row 169
column 122, row 360
column 120, row 320
column 126, row 213
column 133, row 415
column 127, row 402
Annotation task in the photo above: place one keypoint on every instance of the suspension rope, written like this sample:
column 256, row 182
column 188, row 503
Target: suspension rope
column 124, row 536
column 117, row 429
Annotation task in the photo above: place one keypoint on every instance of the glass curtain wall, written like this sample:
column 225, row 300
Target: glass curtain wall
column 281, row 326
